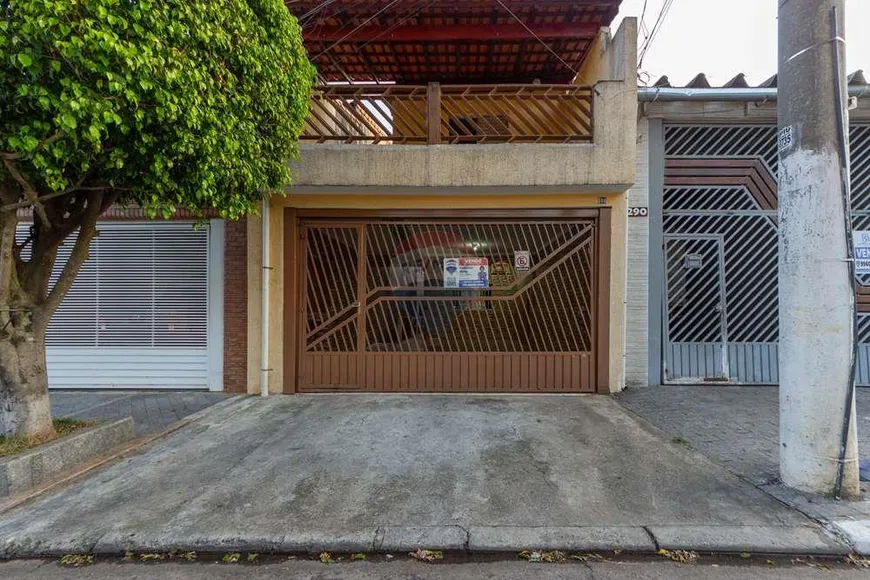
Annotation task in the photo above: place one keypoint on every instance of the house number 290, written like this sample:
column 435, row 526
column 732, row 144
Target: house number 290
column 638, row 212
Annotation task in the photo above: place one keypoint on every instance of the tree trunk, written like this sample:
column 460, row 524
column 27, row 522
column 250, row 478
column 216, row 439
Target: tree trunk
column 24, row 406
column 27, row 301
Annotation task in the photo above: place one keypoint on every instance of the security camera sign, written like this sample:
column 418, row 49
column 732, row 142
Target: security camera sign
column 861, row 241
column 466, row 273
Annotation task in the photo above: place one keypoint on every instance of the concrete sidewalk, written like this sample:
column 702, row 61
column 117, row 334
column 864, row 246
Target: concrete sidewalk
column 347, row 473
column 151, row 410
column 738, row 427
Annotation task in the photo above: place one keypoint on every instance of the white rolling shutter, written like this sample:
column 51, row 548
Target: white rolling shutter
column 137, row 314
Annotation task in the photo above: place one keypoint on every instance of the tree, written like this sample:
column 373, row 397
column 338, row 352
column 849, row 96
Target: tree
column 168, row 104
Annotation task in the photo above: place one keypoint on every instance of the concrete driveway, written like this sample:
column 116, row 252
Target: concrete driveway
column 362, row 473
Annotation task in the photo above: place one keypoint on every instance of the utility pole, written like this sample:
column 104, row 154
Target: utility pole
column 818, row 443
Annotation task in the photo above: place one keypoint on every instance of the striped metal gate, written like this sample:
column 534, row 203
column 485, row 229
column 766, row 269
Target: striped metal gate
column 720, row 314
column 381, row 312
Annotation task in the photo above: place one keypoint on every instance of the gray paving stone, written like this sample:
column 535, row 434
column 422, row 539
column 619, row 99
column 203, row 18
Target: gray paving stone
column 151, row 410
column 737, row 427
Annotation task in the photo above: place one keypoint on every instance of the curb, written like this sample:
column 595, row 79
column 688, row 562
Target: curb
column 572, row 539
column 785, row 540
column 33, row 468
column 757, row 540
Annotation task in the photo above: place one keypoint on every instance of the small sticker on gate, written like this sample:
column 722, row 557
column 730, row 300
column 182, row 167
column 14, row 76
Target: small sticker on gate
column 522, row 260
column 693, row 262
column 861, row 247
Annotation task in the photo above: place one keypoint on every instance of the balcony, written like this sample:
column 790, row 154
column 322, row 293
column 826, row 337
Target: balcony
column 472, row 134
column 450, row 114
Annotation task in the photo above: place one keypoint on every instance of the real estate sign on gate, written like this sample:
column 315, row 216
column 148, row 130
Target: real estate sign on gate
column 466, row 273
column 861, row 242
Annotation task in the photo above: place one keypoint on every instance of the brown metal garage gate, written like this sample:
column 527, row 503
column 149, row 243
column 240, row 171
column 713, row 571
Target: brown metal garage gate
column 494, row 301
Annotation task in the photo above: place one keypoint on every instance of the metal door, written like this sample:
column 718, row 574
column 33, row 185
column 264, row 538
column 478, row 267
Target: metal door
column 696, row 329
column 382, row 312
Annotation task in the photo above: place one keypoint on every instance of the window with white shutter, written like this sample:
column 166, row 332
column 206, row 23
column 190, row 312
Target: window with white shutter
column 143, row 286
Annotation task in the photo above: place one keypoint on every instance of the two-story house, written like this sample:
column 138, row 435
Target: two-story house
column 457, row 220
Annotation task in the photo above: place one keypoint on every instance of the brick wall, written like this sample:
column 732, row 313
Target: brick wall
column 235, row 307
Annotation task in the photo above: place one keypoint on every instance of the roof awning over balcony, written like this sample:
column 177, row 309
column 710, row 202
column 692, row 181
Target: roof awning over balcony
column 451, row 41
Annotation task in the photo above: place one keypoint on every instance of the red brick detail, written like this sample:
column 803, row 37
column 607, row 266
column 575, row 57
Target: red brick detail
column 235, row 307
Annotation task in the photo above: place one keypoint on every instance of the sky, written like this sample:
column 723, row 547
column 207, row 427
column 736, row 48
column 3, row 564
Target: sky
column 724, row 37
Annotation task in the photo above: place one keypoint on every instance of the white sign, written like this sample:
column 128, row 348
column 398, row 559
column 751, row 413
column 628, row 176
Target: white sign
column 693, row 262
column 522, row 260
column 466, row 273
column 861, row 242
column 785, row 138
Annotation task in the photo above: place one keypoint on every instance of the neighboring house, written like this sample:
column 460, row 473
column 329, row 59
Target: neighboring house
column 146, row 310
column 703, row 288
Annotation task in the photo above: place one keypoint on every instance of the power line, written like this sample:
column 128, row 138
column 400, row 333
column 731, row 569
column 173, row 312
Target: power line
column 315, row 10
column 657, row 26
column 338, row 12
column 648, row 38
column 538, row 38
column 643, row 27
column 349, row 34
column 659, row 23
column 423, row 5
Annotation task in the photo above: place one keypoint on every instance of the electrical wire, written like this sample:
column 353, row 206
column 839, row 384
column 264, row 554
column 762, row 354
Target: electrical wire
column 645, row 31
column 666, row 6
column 359, row 48
column 349, row 34
column 654, row 34
column 657, row 26
column 538, row 38
column 345, row 8
column 315, row 10
column 850, row 250
column 643, row 27
column 423, row 6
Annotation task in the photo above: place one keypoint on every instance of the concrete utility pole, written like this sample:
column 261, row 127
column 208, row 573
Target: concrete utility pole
column 816, row 281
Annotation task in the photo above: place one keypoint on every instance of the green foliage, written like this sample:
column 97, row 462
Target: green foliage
column 190, row 104
column 62, row 428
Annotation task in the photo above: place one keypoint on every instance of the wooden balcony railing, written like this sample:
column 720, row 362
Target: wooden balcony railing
column 436, row 114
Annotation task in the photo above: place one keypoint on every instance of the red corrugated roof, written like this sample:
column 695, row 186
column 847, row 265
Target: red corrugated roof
column 471, row 41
